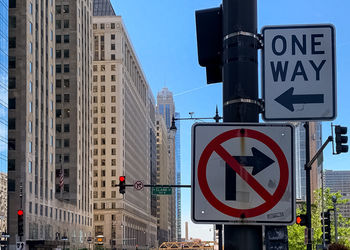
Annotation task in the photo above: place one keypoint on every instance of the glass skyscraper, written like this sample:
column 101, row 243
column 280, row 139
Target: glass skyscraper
column 3, row 84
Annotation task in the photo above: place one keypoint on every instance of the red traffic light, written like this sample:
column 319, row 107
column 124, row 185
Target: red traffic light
column 121, row 178
column 20, row 212
column 298, row 220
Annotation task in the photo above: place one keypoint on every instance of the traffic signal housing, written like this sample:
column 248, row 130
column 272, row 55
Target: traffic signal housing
column 122, row 184
column 20, row 222
column 301, row 220
column 340, row 139
column 327, row 226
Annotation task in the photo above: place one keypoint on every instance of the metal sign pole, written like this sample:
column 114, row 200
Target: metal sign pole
column 240, row 95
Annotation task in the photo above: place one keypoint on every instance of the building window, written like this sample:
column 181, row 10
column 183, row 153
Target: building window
column 58, row 24
column 65, row 9
column 102, row 26
column 58, row 68
column 12, row 103
column 113, row 36
column 12, row 82
column 65, row 24
column 58, row 83
column 66, row 38
column 11, row 144
column 113, row 57
column 112, row 46
column 66, row 68
column 66, row 83
column 11, row 164
column 58, row 39
column 12, row 42
column 94, row 26
column 66, row 97
column 58, row 98
column 66, row 143
column 11, row 123
column 58, row 53
column 12, row 4
column 12, row 62
column 113, row 78
column 112, row 25
column 12, row 22
column 58, row 9
column 113, row 88
column 66, row 128
column 66, row 53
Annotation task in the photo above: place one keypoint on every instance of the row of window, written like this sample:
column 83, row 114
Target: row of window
column 103, row 99
column 103, row 195
column 60, row 215
column 103, row 120
column 103, row 183
column 59, row 24
column 103, row 162
column 59, row 53
column 103, row 67
column 102, row 26
column 103, row 109
column 103, row 151
column 103, row 78
column 103, row 130
column 59, row 38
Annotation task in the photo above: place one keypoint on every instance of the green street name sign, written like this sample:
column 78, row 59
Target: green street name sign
column 162, row 190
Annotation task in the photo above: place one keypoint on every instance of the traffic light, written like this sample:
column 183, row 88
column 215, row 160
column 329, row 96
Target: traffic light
column 122, row 184
column 20, row 222
column 327, row 226
column 301, row 220
column 340, row 138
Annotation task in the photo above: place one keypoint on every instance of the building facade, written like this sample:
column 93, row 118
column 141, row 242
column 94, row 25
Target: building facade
column 33, row 160
column 178, row 178
column 166, row 108
column 164, row 214
column 339, row 181
column 3, row 203
column 123, row 137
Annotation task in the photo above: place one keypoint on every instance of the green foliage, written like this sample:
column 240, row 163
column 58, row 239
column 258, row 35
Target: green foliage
column 296, row 232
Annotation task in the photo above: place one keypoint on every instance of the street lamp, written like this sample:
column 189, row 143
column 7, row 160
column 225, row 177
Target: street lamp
column 216, row 118
column 334, row 199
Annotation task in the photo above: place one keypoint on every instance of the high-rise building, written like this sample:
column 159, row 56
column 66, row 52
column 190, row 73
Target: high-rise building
column 339, row 181
column 178, row 178
column 315, row 140
column 123, row 137
column 163, row 178
column 41, row 159
column 3, row 112
column 166, row 108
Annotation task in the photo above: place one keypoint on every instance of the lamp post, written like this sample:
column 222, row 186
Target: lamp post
column 334, row 199
column 216, row 118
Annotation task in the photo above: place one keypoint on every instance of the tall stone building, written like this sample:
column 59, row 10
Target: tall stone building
column 164, row 214
column 166, row 108
column 123, row 136
column 43, row 75
column 3, row 203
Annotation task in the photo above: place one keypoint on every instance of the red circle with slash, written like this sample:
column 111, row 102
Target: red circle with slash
column 270, row 200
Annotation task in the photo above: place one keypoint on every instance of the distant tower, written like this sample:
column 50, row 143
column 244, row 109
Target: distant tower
column 186, row 230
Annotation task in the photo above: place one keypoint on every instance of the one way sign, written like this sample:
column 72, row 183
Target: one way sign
column 299, row 73
column 243, row 173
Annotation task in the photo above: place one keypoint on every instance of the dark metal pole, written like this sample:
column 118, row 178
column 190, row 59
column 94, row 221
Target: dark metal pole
column 240, row 95
column 308, row 184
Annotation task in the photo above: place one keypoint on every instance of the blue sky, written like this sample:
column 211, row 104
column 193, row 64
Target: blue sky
column 163, row 34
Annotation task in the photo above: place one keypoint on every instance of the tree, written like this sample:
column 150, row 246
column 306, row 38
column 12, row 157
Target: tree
column 296, row 232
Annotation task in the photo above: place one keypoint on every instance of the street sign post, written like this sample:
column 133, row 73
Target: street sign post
column 299, row 72
column 161, row 190
column 261, row 155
